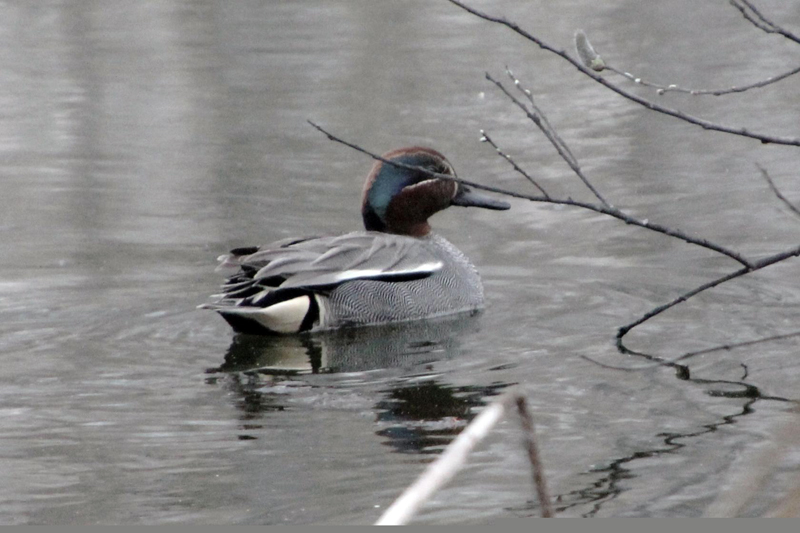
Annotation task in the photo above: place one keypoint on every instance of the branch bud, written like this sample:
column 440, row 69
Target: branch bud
column 589, row 57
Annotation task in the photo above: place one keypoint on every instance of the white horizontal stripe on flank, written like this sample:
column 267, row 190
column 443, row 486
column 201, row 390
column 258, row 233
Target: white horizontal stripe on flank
column 376, row 273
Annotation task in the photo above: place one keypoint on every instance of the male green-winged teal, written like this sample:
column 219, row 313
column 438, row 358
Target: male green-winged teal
column 396, row 270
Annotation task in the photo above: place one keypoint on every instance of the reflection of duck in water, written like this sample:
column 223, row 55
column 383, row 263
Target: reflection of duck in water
column 349, row 350
column 397, row 270
column 416, row 411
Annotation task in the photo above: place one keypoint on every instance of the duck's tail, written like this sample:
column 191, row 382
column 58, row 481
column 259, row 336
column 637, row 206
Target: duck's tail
column 286, row 313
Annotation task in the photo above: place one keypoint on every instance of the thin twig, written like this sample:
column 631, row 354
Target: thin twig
column 485, row 138
column 423, row 170
column 545, row 121
column 444, row 468
column 705, row 124
column 763, row 263
column 758, row 19
column 591, row 59
column 778, row 193
column 610, row 211
column 535, row 116
column 540, row 119
column 455, row 455
column 680, row 299
column 752, row 18
column 539, row 480
column 661, row 89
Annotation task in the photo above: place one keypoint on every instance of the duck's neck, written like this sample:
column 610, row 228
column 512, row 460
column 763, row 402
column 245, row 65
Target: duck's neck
column 419, row 229
column 398, row 221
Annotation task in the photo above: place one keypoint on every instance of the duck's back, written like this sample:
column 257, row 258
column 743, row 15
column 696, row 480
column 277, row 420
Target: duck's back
column 454, row 288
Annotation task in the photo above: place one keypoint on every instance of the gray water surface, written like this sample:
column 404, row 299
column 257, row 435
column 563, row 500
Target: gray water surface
column 140, row 140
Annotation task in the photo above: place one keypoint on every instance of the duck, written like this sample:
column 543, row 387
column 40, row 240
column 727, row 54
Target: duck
column 397, row 269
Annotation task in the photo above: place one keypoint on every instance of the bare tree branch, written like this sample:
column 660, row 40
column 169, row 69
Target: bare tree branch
column 610, row 211
column 661, row 89
column 590, row 63
column 536, row 116
column 705, row 124
column 758, row 19
column 592, row 60
column 545, row 121
column 489, row 188
column 750, row 17
column 680, row 299
column 763, row 263
column 485, row 138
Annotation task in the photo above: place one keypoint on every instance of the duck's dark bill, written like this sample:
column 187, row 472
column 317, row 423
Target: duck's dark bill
column 466, row 197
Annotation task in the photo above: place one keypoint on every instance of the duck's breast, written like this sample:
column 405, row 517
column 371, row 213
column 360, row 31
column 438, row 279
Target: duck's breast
column 454, row 288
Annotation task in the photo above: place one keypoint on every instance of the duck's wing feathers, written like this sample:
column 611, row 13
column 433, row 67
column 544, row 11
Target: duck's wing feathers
column 324, row 262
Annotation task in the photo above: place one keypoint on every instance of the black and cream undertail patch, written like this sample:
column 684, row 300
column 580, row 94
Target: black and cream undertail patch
column 289, row 312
